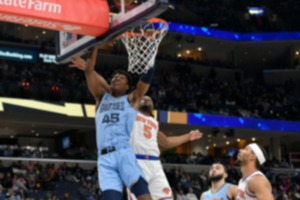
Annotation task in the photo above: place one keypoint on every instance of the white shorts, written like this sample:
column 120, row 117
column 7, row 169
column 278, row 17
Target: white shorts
column 157, row 181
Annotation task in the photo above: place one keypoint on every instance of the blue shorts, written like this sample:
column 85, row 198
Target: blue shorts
column 117, row 167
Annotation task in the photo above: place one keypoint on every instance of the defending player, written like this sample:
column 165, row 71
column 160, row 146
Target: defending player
column 145, row 139
column 253, row 185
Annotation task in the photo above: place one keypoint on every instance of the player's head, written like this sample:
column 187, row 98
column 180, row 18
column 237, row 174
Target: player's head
column 217, row 172
column 252, row 154
column 146, row 105
column 121, row 81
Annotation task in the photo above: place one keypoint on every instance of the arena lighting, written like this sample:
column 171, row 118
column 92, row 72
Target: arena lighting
column 193, row 119
column 227, row 35
column 25, row 84
column 18, row 54
column 47, row 58
column 239, row 122
column 256, row 11
column 55, row 88
column 297, row 52
column 68, row 109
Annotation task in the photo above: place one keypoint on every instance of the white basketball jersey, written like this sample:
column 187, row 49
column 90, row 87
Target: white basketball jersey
column 144, row 135
column 243, row 192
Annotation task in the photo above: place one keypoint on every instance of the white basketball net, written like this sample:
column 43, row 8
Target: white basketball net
column 142, row 44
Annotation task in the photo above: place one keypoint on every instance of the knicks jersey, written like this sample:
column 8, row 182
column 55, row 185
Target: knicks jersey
column 221, row 194
column 144, row 135
column 243, row 192
column 114, row 121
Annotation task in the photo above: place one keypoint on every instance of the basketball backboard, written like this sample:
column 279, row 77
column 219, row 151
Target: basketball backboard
column 69, row 45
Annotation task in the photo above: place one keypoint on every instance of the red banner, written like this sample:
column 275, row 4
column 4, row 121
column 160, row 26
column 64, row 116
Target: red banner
column 85, row 17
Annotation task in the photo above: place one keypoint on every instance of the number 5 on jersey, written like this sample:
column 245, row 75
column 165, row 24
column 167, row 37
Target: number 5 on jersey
column 147, row 131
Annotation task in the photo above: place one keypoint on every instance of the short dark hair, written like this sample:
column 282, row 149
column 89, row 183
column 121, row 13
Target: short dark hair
column 257, row 164
column 224, row 166
column 128, row 77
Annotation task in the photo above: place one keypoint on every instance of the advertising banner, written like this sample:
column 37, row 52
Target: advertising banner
column 84, row 17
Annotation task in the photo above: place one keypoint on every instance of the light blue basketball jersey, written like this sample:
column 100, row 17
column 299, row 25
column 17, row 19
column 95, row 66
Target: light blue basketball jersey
column 114, row 121
column 219, row 195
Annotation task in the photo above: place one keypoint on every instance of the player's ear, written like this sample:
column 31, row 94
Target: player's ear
column 252, row 156
column 225, row 175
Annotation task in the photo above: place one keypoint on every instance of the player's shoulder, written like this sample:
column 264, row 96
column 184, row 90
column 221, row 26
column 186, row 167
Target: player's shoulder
column 148, row 117
column 203, row 195
column 257, row 176
column 231, row 186
column 258, row 181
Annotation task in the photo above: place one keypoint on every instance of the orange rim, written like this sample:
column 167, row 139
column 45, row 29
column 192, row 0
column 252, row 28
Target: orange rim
column 153, row 20
column 158, row 20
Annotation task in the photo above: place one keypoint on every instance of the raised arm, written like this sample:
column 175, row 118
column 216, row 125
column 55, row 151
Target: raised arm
column 141, row 87
column 96, row 83
column 174, row 141
column 261, row 187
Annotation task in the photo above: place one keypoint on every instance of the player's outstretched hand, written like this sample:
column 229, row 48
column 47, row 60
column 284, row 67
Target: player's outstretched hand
column 195, row 135
column 78, row 63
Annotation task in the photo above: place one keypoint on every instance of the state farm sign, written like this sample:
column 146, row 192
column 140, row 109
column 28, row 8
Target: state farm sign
column 85, row 17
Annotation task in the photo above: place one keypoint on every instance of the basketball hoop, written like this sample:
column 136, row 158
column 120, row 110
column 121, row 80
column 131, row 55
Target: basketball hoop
column 142, row 44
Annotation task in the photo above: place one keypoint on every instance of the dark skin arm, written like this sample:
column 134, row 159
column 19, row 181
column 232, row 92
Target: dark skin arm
column 96, row 83
column 170, row 142
column 135, row 97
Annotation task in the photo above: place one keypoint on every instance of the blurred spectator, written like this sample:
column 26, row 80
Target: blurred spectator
column 180, row 195
column 190, row 195
column 2, row 193
column 249, row 98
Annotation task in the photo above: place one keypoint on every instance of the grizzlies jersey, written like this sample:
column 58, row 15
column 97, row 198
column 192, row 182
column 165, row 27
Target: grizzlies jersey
column 114, row 121
column 221, row 194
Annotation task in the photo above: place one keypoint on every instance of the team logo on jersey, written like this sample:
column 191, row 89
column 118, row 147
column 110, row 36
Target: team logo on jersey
column 241, row 194
column 166, row 190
